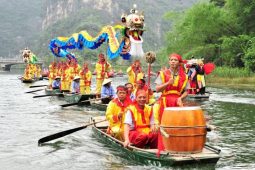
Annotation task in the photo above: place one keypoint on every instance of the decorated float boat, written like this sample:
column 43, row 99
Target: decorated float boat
column 76, row 98
column 27, row 80
column 208, row 155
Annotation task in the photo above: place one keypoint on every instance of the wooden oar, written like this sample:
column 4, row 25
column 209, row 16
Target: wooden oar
column 45, row 95
column 77, row 103
column 64, row 133
column 37, row 86
column 34, row 91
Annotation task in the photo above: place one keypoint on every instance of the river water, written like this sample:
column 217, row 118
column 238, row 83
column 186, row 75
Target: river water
column 24, row 120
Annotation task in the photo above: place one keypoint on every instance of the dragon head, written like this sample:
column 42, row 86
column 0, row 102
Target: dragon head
column 26, row 55
column 134, row 23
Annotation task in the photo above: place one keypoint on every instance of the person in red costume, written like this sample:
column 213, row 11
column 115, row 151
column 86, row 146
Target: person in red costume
column 139, row 127
column 172, row 82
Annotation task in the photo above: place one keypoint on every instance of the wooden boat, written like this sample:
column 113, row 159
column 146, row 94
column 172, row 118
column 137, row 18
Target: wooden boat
column 54, row 91
column 209, row 154
column 98, row 105
column 199, row 96
column 75, row 98
column 27, row 80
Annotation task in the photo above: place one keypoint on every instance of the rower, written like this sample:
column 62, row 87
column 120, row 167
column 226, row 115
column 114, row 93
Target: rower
column 75, row 86
column 107, row 92
column 115, row 113
column 56, row 83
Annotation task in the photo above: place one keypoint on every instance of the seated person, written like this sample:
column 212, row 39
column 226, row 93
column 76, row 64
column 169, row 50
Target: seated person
column 56, row 83
column 115, row 113
column 139, row 127
column 75, row 86
column 107, row 92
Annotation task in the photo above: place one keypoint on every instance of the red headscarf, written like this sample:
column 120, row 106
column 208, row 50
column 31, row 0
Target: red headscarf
column 179, row 57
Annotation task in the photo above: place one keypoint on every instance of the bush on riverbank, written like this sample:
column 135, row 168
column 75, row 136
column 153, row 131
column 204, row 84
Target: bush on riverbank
column 238, row 78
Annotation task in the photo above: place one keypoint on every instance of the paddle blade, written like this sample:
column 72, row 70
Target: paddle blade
column 37, row 86
column 64, row 133
column 209, row 67
column 59, row 135
column 46, row 95
column 34, row 91
column 69, row 104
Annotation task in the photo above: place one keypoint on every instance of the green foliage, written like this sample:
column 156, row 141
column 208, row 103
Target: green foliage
column 199, row 27
column 249, row 57
column 219, row 31
column 243, row 12
column 230, row 72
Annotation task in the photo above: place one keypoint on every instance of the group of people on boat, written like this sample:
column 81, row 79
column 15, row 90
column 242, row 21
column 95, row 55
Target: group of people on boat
column 133, row 113
column 70, row 76
column 133, row 120
column 32, row 72
column 196, row 74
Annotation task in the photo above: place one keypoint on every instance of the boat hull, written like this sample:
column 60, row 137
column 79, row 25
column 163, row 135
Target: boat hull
column 208, row 156
column 78, row 98
column 98, row 105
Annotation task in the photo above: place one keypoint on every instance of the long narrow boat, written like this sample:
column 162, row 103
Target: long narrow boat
column 27, row 80
column 199, row 96
column 54, row 91
column 98, row 105
column 209, row 155
column 76, row 98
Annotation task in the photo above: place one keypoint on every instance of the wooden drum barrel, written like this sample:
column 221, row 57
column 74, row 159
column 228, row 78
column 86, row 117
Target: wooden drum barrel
column 186, row 127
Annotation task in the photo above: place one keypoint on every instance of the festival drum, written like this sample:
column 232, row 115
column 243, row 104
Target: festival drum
column 186, row 128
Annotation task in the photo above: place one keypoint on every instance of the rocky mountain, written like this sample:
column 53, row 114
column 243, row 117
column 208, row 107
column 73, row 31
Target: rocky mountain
column 35, row 23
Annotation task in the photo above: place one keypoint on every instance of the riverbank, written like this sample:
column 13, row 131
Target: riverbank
column 242, row 83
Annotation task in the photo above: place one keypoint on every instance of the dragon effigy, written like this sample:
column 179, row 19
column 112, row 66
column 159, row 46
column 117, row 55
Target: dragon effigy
column 130, row 43
column 28, row 57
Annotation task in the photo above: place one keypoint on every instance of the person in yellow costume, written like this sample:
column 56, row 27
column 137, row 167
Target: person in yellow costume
column 139, row 126
column 65, row 82
column 102, row 69
column 200, row 77
column 27, row 74
column 115, row 113
column 38, row 71
column 141, row 85
column 135, row 72
column 52, row 68
column 85, row 82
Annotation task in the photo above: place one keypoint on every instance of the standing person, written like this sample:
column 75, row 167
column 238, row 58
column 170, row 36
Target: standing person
column 141, row 85
column 115, row 113
column 139, row 127
column 85, row 81
column 102, row 69
column 65, row 82
column 135, row 72
column 130, row 93
column 107, row 92
column 192, row 76
column 56, row 83
column 75, row 86
column 200, row 77
column 52, row 72
column 173, row 85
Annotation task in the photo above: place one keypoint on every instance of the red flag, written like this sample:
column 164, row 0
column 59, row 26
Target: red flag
column 209, row 67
